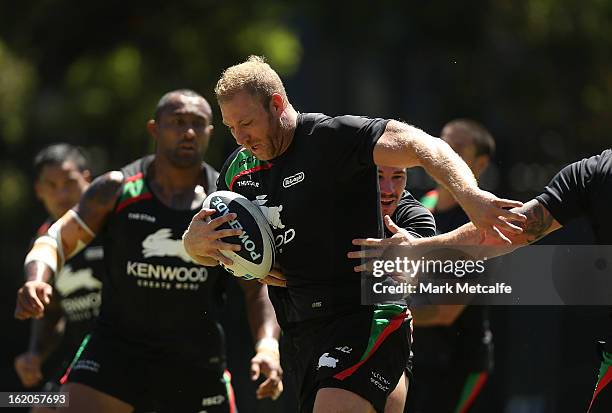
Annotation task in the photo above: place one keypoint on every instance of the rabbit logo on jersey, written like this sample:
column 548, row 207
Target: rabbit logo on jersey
column 80, row 291
column 273, row 215
column 161, row 244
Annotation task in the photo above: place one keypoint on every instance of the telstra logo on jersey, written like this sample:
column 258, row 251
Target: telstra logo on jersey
column 247, row 243
column 293, row 179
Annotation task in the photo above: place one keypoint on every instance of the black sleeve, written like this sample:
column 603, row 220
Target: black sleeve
column 353, row 140
column 414, row 217
column 567, row 196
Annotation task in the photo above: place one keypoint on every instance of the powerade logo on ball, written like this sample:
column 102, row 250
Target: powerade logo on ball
column 248, row 244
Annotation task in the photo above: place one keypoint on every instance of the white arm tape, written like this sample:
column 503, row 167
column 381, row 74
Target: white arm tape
column 82, row 223
column 37, row 255
column 267, row 344
column 55, row 233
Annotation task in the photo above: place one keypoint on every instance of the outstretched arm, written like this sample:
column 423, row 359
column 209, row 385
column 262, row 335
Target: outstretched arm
column 539, row 223
column 266, row 331
column 45, row 335
column 65, row 238
column 405, row 146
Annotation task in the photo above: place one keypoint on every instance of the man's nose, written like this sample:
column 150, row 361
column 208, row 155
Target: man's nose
column 189, row 132
column 385, row 187
column 241, row 137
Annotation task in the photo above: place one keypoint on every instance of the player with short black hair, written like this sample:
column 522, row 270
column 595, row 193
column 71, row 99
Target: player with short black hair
column 454, row 344
column 57, row 154
column 407, row 215
column 316, row 175
column 157, row 344
column 61, row 176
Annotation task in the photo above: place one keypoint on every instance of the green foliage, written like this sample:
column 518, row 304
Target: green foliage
column 17, row 80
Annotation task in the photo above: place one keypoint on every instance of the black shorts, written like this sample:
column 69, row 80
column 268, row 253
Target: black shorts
column 462, row 390
column 365, row 352
column 602, row 396
column 149, row 381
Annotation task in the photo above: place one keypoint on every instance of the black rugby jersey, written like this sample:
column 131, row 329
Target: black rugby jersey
column 318, row 196
column 584, row 189
column 411, row 215
column 78, row 287
column 418, row 221
column 155, row 295
column 469, row 339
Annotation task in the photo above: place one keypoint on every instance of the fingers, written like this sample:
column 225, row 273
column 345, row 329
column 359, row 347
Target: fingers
column 361, row 268
column 220, row 245
column 276, row 273
column 370, row 242
column 391, row 225
column 255, row 370
column 44, row 293
column 202, row 214
column 496, row 233
column 222, row 258
column 271, row 388
column 507, row 203
column 511, row 215
column 28, row 304
column 365, row 253
column 273, row 281
column 509, row 227
column 28, row 370
column 217, row 222
column 222, row 233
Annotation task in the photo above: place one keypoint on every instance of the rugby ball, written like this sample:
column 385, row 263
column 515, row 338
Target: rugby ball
column 256, row 257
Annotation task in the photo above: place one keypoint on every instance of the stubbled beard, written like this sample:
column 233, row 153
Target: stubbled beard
column 276, row 136
column 183, row 162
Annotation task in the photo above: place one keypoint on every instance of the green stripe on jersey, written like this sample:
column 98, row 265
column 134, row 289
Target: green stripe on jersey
column 133, row 188
column 383, row 314
column 243, row 161
column 468, row 389
column 605, row 364
column 430, row 199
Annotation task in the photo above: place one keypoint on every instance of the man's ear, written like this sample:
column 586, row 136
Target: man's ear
column 481, row 164
column 86, row 175
column 37, row 190
column 277, row 104
column 152, row 128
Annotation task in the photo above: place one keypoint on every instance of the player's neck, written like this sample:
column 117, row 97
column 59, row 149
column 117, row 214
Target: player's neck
column 288, row 124
column 178, row 188
column 445, row 200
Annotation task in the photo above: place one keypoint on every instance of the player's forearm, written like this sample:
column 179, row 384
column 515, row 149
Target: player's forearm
column 261, row 316
column 45, row 334
column 469, row 235
column 445, row 166
column 436, row 315
column 406, row 146
column 37, row 271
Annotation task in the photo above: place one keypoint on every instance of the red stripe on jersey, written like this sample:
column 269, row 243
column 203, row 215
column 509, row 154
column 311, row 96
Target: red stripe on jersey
column 605, row 380
column 395, row 323
column 248, row 171
column 480, row 382
column 135, row 177
column 130, row 201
